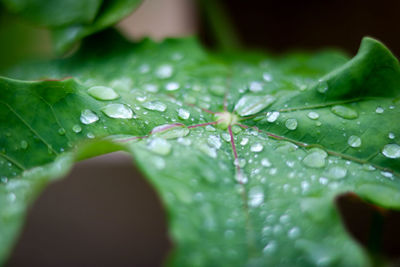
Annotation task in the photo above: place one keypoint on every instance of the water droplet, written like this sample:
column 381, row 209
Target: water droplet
column 206, row 149
column 267, row 77
column 240, row 162
column 152, row 88
column 265, row 162
column 159, row 146
column 214, row 141
column 61, row 131
column 251, row 104
column 183, row 114
column 315, row 158
column 90, row 135
column 344, row 112
column 255, row 86
column 172, row 86
column 244, row 141
column 391, row 151
column 291, row 124
column 392, row 136
column 88, row 117
column 164, row 71
column 256, row 196
column 379, row 110
column 102, row 93
column 354, row 141
column 226, row 137
column 155, row 105
column 170, row 131
column 313, row 115
column 294, row 233
column 209, row 128
column 272, row 116
column 322, row 86
column 24, row 144
column 337, row 172
column 257, row 147
column 118, row 111
column 76, row 128
column 270, row 247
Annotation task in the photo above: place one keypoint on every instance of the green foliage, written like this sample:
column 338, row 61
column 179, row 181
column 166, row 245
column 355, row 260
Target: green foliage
column 72, row 20
column 253, row 184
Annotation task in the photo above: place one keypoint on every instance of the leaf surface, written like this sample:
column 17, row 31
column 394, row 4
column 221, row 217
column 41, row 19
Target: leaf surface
column 241, row 187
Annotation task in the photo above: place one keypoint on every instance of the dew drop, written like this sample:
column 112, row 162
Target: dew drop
column 291, row 124
column 391, row 135
column 251, row 104
column 172, row 86
column 354, row 141
column 270, row 247
column 183, row 114
column 322, row 86
column 267, row 77
column 257, row 147
column 240, row 162
column 152, row 88
column 313, row 115
column 379, row 110
column 272, row 116
column 90, row 135
column 88, row 117
column 170, row 131
column 265, row 162
column 24, row 144
column 76, row 128
column 256, row 196
column 244, row 141
column 155, row 105
column 337, row 172
column 315, row 158
column 102, row 93
column 294, row 233
column 344, row 112
column 391, row 151
column 164, row 71
column 255, row 86
column 61, row 131
column 118, row 111
column 159, row 146
column 214, row 141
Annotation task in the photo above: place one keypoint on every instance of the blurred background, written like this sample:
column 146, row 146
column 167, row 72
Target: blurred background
column 105, row 213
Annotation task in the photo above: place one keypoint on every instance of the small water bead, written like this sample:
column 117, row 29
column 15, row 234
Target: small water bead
column 76, row 128
column 391, row 135
column 354, row 141
column 344, row 112
column 294, row 233
column 90, row 135
column 257, row 147
column 159, row 146
column 315, row 158
column 256, row 86
column 24, row 144
column 252, row 104
column 226, row 137
column 88, row 117
column 102, row 93
column 291, row 124
column 272, row 116
column 183, row 114
column 118, row 111
column 240, row 162
column 270, row 247
column 267, row 77
column 61, row 131
column 322, row 86
column 265, row 162
column 214, row 141
column 159, row 163
column 391, row 151
column 387, row 174
column 256, row 196
column 313, row 115
column 164, row 71
column 151, row 88
column 244, row 141
column 170, row 131
column 337, row 172
column 155, row 105
column 379, row 110
column 236, row 129
column 210, row 128
column 172, row 86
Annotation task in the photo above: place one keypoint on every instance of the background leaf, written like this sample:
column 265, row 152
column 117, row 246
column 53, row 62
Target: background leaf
column 260, row 192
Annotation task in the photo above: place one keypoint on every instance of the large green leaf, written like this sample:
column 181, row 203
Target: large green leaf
column 247, row 151
column 72, row 20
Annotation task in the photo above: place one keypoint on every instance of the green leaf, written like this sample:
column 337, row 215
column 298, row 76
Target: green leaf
column 72, row 20
column 241, row 187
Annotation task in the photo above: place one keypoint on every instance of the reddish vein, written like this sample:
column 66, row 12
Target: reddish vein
column 204, row 124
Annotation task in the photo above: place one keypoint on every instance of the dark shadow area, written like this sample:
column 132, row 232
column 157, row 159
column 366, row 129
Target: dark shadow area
column 375, row 228
column 103, row 214
column 312, row 24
